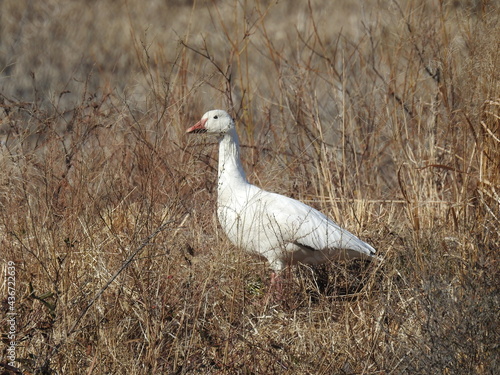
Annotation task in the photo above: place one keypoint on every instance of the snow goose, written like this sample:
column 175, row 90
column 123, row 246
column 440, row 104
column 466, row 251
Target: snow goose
column 280, row 229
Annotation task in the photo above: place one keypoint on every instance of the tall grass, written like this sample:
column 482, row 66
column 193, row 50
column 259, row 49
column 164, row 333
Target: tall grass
column 386, row 116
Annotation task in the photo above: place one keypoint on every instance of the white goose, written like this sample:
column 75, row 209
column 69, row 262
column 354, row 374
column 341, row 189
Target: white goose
column 280, row 229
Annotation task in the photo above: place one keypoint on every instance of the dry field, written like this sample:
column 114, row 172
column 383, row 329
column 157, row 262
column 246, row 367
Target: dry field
column 383, row 114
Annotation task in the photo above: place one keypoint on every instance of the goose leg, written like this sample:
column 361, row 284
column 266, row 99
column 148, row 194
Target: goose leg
column 275, row 292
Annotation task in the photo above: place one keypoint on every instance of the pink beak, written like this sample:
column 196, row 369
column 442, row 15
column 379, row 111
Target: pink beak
column 199, row 127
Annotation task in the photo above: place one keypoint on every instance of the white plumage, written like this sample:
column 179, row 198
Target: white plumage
column 280, row 229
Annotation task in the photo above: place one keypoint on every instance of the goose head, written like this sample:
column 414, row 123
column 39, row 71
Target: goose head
column 216, row 121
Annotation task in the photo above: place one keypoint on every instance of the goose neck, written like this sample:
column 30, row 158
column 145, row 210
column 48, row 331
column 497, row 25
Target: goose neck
column 230, row 168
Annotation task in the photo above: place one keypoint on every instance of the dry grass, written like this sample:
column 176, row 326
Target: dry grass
column 384, row 115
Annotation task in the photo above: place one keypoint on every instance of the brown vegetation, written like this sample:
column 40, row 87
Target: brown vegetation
column 385, row 115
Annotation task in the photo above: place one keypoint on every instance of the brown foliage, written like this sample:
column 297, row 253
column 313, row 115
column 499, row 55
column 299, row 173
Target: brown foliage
column 385, row 115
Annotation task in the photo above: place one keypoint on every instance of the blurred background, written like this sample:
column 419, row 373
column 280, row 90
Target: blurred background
column 384, row 114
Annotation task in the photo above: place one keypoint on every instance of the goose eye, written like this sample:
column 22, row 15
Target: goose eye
column 216, row 117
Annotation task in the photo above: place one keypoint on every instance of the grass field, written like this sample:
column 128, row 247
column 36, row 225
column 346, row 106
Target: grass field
column 385, row 115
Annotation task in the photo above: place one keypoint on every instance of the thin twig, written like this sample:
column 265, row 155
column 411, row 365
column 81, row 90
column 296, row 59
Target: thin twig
column 125, row 264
